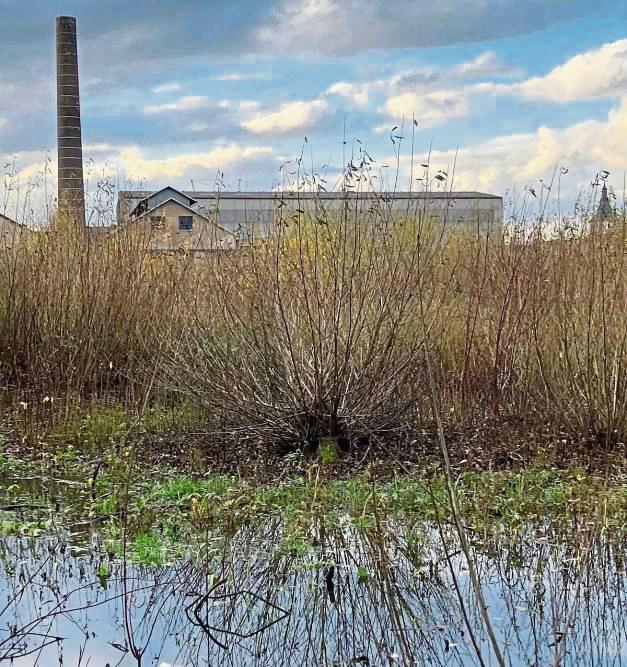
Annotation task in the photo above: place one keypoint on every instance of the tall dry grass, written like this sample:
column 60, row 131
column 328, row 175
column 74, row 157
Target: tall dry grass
column 78, row 310
column 322, row 329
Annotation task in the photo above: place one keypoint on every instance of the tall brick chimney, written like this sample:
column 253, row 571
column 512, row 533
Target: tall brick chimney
column 71, row 194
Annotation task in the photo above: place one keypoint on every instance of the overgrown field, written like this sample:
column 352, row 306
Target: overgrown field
column 344, row 331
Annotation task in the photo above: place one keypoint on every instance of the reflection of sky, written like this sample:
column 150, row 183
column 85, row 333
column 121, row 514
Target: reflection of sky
column 401, row 609
column 92, row 623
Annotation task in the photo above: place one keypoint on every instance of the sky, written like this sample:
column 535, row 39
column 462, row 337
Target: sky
column 503, row 95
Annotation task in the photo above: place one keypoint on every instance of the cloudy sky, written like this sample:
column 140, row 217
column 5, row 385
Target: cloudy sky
column 502, row 91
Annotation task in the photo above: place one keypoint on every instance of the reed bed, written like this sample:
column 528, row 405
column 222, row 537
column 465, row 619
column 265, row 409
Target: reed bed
column 321, row 331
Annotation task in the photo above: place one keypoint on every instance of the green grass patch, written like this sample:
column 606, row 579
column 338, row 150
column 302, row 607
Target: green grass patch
column 162, row 512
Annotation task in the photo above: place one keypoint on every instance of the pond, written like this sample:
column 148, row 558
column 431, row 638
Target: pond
column 399, row 594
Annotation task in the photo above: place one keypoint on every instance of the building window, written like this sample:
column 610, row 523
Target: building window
column 186, row 222
column 156, row 221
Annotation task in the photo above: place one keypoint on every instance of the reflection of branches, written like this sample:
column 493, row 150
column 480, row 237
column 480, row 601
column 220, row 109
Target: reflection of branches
column 395, row 599
column 456, row 585
column 28, row 630
column 193, row 612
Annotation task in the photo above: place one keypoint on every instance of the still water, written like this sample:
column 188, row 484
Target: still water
column 394, row 597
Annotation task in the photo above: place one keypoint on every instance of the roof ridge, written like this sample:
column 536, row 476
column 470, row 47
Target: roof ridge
column 274, row 194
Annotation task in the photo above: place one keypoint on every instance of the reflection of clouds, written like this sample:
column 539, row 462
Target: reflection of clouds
column 405, row 607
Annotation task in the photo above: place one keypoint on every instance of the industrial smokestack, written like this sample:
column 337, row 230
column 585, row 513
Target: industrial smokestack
column 71, row 195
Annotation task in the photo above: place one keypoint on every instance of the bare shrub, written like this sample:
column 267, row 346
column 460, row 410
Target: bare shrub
column 313, row 332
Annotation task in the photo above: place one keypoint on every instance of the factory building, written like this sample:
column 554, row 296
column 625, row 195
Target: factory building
column 210, row 220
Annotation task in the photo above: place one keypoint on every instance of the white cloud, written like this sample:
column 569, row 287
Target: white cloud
column 249, row 105
column 197, row 127
column 97, row 148
column 29, row 169
column 584, row 149
column 486, row 64
column 432, row 95
column 428, row 108
column 3, row 122
column 138, row 167
column 131, row 167
column 188, row 103
column 290, row 117
column 172, row 87
column 229, row 76
column 39, row 92
column 601, row 72
column 358, row 93
column 241, row 76
column 425, row 90
column 598, row 73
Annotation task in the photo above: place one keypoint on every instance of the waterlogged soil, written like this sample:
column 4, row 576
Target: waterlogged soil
column 187, row 572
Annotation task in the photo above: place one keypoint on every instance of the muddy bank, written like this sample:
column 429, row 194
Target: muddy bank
column 382, row 458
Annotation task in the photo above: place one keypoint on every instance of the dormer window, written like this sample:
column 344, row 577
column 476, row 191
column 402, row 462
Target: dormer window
column 186, row 223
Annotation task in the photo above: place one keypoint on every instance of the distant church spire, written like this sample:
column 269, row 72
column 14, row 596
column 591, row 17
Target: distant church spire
column 604, row 211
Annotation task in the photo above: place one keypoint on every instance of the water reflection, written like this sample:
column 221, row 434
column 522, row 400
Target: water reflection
column 401, row 597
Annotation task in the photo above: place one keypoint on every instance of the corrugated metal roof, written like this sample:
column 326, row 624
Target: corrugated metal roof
column 142, row 194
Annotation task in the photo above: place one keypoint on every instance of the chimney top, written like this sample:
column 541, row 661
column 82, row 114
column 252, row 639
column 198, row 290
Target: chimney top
column 66, row 21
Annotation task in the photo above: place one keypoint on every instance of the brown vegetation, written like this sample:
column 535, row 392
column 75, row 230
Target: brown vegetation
column 323, row 329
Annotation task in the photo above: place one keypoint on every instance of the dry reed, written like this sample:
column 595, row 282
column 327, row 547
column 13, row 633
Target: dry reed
column 321, row 329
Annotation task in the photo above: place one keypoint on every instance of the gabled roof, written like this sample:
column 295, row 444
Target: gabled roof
column 188, row 208
column 5, row 218
column 167, row 201
column 143, row 205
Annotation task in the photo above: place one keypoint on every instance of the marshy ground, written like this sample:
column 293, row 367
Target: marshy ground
column 377, row 443
column 115, row 562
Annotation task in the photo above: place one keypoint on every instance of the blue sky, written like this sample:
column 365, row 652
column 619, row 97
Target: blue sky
column 504, row 91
